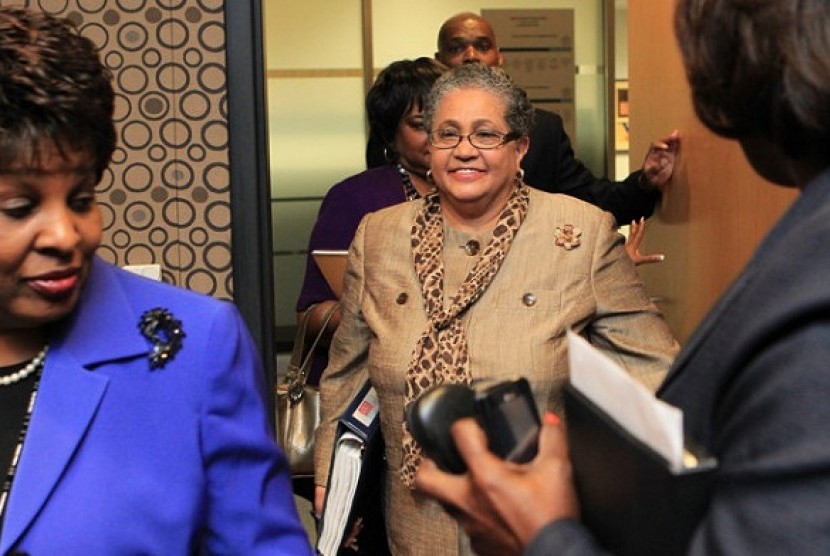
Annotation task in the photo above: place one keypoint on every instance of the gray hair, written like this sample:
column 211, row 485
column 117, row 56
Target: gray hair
column 519, row 112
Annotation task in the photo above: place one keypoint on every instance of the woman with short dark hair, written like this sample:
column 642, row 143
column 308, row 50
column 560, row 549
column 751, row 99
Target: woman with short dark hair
column 134, row 417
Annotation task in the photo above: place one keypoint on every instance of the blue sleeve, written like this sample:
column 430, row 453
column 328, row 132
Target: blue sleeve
column 249, row 502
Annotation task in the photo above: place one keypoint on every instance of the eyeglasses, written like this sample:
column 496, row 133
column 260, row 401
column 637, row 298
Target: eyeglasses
column 483, row 139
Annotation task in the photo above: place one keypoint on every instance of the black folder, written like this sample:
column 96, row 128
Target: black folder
column 361, row 419
column 632, row 500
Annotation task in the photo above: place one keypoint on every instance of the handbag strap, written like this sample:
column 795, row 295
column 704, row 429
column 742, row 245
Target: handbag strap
column 299, row 340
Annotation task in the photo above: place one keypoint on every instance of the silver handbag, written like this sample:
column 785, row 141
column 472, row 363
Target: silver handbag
column 298, row 404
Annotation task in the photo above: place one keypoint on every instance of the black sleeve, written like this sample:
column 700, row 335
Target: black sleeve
column 550, row 165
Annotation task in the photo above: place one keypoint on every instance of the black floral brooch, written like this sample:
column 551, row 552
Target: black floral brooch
column 164, row 332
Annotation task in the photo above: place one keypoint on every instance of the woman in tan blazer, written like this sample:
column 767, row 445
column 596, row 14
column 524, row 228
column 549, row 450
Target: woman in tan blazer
column 479, row 281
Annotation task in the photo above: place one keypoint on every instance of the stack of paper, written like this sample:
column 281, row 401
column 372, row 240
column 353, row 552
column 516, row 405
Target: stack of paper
column 346, row 467
column 354, row 494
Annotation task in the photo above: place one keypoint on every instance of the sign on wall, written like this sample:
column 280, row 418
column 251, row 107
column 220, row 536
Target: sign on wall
column 538, row 50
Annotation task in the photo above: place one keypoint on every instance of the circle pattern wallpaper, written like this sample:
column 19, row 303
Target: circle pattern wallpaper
column 166, row 198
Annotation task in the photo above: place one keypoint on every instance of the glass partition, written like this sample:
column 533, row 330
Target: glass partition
column 315, row 125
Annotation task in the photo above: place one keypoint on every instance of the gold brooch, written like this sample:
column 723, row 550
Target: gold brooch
column 567, row 236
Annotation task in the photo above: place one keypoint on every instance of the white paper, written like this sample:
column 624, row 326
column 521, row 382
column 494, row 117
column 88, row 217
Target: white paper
column 652, row 421
column 346, row 468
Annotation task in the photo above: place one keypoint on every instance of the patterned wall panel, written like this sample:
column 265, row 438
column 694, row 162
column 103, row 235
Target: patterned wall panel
column 166, row 196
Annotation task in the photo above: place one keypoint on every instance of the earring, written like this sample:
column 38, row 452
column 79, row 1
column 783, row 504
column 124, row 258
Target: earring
column 429, row 176
column 520, row 177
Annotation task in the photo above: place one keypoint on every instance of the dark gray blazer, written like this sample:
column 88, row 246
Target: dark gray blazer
column 753, row 383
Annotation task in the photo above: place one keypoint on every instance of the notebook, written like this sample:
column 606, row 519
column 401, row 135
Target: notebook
column 641, row 490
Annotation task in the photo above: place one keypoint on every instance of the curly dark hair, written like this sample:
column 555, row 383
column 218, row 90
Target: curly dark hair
column 398, row 88
column 53, row 91
column 760, row 68
column 518, row 110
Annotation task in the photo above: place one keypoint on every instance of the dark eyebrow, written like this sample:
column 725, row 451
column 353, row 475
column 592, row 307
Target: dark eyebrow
column 458, row 39
column 80, row 171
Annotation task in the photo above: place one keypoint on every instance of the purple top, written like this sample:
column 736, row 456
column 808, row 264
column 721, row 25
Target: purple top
column 342, row 209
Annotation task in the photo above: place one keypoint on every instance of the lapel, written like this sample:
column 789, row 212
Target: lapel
column 797, row 222
column 70, row 393
column 708, row 326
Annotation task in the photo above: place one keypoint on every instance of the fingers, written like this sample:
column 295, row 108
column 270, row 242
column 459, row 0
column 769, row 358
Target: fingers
column 553, row 442
column 674, row 138
column 459, row 498
column 448, row 489
column 670, row 143
column 319, row 499
column 637, row 231
column 650, row 259
column 502, row 505
column 454, row 489
column 470, row 440
column 666, row 147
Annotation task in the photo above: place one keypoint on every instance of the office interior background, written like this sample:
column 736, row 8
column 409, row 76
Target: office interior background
column 318, row 70
column 236, row 116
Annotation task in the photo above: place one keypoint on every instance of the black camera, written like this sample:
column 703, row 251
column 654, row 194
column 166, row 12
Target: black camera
column 506, row 411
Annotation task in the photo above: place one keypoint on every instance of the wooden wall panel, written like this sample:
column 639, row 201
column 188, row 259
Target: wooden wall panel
column 717, row 210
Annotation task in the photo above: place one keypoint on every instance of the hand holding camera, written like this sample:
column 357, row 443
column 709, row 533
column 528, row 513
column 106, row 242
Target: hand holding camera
column 506, row 411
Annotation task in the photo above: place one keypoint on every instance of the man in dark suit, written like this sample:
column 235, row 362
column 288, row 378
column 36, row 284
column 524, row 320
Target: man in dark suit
column 550, row 163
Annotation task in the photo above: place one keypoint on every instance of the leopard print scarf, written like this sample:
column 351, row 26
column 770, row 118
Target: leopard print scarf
column 441, row 353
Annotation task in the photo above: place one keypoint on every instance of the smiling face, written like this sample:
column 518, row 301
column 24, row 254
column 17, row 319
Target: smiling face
column 474, row 184
column 50, row 227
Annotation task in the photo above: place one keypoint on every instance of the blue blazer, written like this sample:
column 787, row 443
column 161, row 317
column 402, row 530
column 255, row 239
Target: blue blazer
column 124, row 459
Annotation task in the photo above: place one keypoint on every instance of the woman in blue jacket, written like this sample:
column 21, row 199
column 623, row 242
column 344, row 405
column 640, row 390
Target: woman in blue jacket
column 133, row 414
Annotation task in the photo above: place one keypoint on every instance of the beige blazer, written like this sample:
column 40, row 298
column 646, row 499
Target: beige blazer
column 517, row 328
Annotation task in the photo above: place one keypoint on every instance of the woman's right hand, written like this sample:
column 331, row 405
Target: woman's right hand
column 319, row 499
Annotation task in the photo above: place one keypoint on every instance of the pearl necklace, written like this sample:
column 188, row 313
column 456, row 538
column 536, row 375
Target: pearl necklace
column 31, row 367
